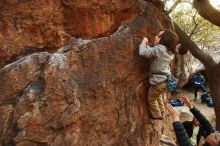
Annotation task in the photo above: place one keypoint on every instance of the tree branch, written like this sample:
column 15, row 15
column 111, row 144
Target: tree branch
column 205, row 58
column 195, row 26
column 207, row 11
column 173, row 6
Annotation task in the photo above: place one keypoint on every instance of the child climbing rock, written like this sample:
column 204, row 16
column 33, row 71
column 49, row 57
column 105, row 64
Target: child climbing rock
column 161, row 54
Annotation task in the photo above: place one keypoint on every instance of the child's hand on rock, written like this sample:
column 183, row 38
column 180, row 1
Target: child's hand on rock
column 145, row 40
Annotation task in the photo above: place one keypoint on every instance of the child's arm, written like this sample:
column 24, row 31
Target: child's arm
column 146, row 51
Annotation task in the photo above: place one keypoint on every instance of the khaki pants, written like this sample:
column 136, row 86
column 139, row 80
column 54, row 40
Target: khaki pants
column 155, row 100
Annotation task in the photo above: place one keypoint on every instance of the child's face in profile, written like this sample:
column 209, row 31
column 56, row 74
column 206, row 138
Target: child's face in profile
column 158, row 37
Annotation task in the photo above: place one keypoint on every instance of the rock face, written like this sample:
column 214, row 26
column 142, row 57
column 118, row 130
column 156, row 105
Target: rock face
column 36, row 25
column 187, row 66
column 28, row 26
column 184, row 68
column 90, row 92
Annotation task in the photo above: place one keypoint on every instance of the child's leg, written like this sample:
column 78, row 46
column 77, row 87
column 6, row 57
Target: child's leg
column 166, row 96
column 163, row 98
column 153, row 95
column 161, row 104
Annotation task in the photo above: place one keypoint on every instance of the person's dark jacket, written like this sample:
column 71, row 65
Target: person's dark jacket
column 199, row 80
column 188, row 125
column 181, row 134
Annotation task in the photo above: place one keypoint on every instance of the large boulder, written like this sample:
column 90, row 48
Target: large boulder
column 89, row 92
column 187, row 66
column 36, row 25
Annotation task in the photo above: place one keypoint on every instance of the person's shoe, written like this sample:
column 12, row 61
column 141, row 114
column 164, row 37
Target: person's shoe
column 158, row 118
column 195, row 99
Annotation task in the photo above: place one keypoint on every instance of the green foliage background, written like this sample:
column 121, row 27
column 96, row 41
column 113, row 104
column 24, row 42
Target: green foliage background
column 202, row 32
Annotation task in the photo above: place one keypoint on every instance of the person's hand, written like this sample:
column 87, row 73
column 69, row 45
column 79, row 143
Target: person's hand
column 174, row 114
column 187, row 102
column 145, row 40
column 213, row 140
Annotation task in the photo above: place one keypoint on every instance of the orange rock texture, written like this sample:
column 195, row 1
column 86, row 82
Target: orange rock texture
column 90, row 92
column 36, row 25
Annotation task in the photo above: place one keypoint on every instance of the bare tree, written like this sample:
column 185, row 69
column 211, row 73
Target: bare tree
column 207, row 11
column 212, row 70
column 174, row 6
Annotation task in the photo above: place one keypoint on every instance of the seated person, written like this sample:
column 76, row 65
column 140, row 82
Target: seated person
column 213, row 138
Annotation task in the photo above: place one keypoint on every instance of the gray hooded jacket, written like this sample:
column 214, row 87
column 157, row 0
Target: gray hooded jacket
column 160, row 60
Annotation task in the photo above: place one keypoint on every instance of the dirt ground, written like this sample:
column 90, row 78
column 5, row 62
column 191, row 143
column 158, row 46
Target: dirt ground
column 186, row 114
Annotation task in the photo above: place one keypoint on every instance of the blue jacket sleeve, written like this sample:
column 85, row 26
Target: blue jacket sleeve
column 203, row 121
column 196, row 80
column 181, row 134
column 202, row 80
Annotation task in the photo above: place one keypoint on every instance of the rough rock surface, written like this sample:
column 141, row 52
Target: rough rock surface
column 90, row 92
column 167, row 141
column 184, row 68
column 187, row 66
column 36, row 25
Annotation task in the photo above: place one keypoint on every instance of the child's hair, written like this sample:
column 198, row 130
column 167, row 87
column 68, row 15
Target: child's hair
column 169, row 39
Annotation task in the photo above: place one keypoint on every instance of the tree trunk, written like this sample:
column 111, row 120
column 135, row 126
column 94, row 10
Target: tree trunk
column 205, row 58
column 174, row 6
column 212, row 68
column 207, row 11
column 214, row 83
